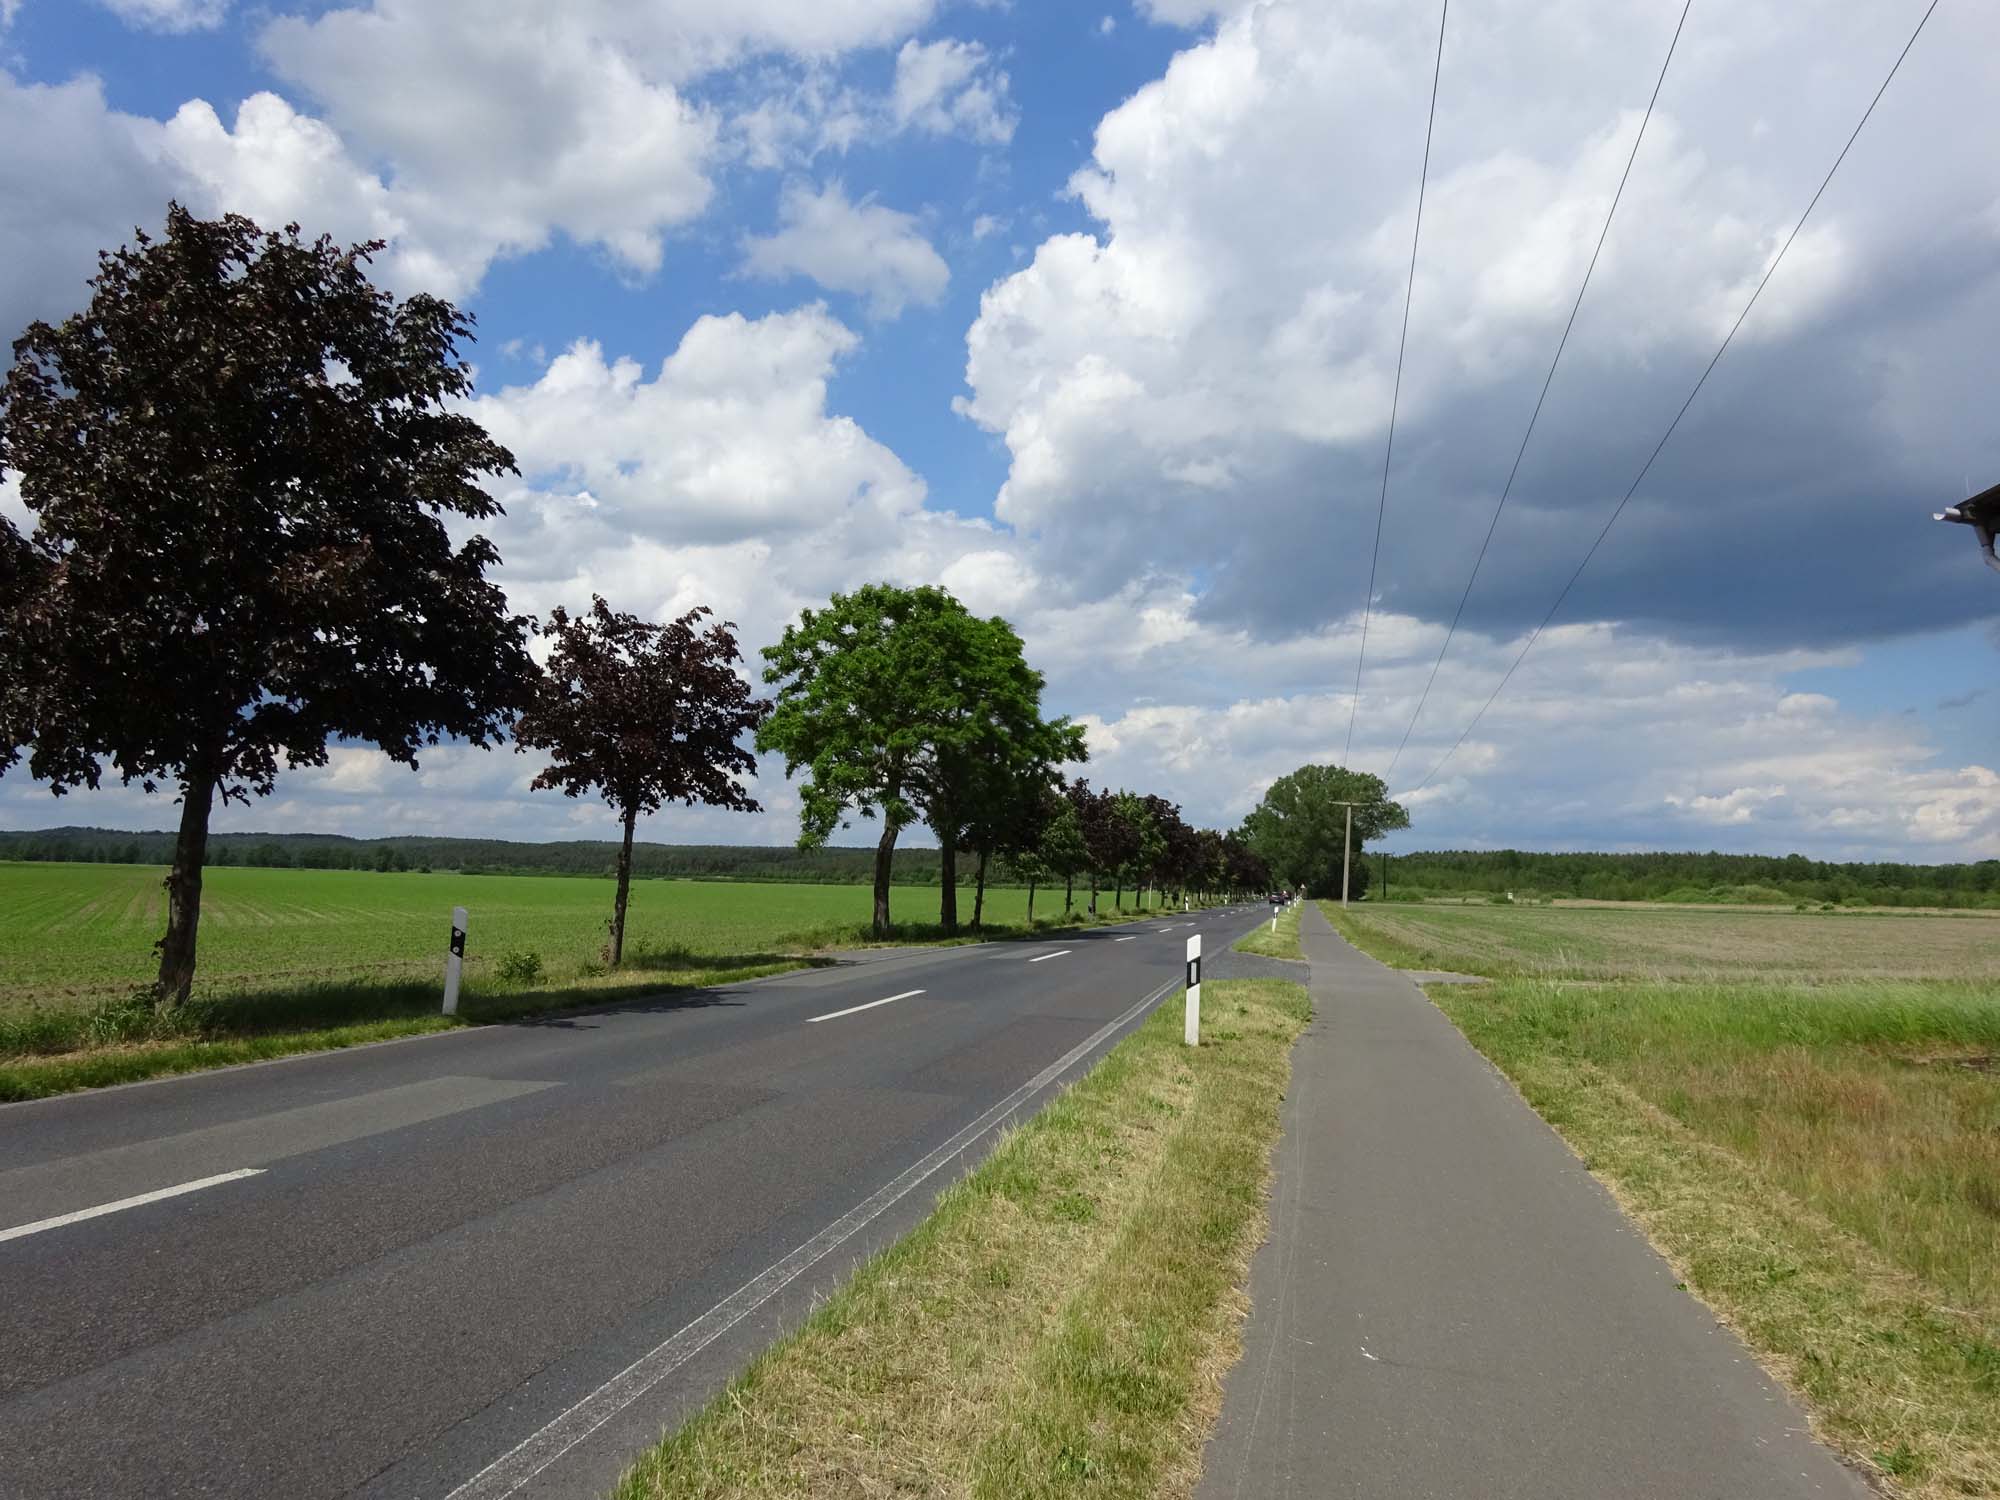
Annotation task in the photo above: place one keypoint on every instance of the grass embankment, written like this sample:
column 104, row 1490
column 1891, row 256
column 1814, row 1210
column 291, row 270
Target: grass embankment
column 1818, row 1154
column 1060, row 1324
column 307, row 960
column 1281, row 941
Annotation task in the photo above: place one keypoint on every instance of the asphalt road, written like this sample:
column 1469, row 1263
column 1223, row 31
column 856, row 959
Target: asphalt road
column 499, row 1260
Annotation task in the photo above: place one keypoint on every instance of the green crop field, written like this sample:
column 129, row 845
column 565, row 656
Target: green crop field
column 292, row 960
column 82, row 933
column 1803, row 1109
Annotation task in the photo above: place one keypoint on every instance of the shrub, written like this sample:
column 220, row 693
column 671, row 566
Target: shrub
column 520, row 966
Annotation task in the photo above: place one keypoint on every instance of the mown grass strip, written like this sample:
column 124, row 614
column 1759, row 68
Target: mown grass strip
column 59, row 1052
column 56, row 1048
column 1281, row 941
column 1060, row 1324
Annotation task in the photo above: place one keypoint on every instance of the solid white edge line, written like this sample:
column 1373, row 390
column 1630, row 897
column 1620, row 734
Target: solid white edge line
column 21, row 1230
column 835, row 1015
column 535, row 1453
column 1059, row 953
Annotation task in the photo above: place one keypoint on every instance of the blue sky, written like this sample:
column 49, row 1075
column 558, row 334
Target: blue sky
column 1091, row 315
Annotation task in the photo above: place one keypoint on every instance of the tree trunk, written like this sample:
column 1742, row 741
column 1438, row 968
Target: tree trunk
column 885, row 850
column 176, row 948
column 624, row 889
column 979, row 895
column 1031, row 906
column 948, row 881
column 1069, row 894
column 1093, row 893
column 1118, row 895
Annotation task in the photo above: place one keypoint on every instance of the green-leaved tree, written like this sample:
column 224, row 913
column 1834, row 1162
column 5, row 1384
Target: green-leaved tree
column 1300, row 827
column 889, row 698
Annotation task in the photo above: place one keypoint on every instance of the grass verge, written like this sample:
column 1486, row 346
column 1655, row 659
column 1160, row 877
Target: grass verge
column 1060, row 1324
column 1281, row 941
column 48, row 1049
column 1821, row 1161
column 53, row 1051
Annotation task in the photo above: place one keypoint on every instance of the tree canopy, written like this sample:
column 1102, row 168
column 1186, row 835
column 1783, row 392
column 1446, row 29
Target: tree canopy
column 888, row 699
column 241, row 457
column 647, row 714
column 1300, row 827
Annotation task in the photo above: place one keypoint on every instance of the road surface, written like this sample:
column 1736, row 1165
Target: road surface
column 497, row 1261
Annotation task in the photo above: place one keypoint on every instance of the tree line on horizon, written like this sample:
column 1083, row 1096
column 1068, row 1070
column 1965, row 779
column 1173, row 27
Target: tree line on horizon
column 243, row 458
column 1584, row 875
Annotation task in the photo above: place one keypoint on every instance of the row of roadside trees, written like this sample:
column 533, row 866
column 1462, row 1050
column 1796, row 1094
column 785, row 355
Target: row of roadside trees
column 246, row 463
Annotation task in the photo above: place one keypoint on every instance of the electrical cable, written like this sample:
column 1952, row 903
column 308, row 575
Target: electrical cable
column 1395, row 399
column 1561, row 344
column 1671, row 426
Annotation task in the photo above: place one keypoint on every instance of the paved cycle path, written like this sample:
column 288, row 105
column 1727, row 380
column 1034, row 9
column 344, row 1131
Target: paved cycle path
column 1449, row 1305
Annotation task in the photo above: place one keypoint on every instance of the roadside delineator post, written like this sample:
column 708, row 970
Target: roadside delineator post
column 454, row 960
column 1191, row 1032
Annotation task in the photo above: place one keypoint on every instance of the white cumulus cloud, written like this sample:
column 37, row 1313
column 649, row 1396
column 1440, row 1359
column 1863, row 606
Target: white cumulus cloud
column 864, row 248
column 949, row 87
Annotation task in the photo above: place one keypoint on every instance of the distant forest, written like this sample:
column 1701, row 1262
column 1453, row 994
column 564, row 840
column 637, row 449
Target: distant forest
column 332, row 851
column 1749, row 878
column 1756, row 879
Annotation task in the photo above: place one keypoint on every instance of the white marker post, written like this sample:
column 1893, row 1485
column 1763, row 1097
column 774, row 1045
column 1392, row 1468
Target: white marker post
column 454, row 960
column 1191, row 1032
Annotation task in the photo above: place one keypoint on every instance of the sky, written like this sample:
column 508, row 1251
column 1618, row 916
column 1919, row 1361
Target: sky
column 1091, row 314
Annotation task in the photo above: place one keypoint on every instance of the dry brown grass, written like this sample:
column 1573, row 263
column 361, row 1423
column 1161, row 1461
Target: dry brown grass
column 1060, row 1325
column 1671, row 943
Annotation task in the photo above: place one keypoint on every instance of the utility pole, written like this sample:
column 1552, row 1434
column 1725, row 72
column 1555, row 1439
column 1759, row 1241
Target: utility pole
column 1347, row 850
column 1346, row 855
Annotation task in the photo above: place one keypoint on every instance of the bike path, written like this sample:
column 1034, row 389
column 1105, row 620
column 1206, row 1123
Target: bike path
column 1449, row 1305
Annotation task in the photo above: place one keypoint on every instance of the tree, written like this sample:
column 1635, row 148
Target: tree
column 242, row 457
column 1246, row 868
column 886, row 697
column 1168, row 858
column 1062, row 849
column 1299, row 828
column 1109, row 835
column 984, row 789
column 1007, row 822
column 1138, row 846
column 645, row 714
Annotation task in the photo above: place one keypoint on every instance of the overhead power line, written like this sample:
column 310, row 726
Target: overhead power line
column 1729, row 338
column 1535, row 416
column 1395, row 399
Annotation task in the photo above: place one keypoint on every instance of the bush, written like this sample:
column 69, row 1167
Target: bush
column 519, row 966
